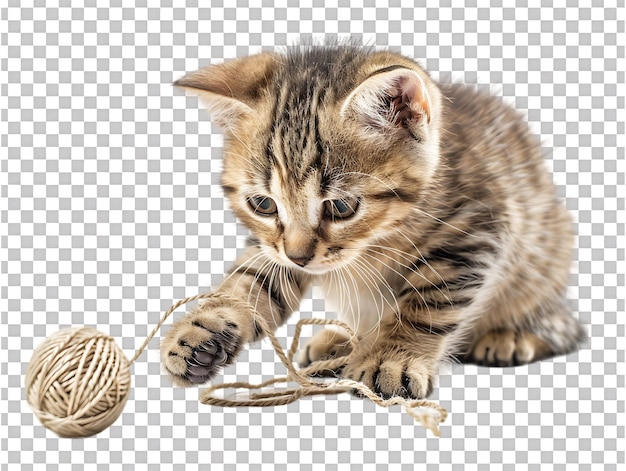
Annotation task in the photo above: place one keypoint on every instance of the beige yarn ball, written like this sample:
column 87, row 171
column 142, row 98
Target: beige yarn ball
column 77, row 382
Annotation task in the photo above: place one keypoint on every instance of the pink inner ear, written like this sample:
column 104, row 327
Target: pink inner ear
column 406, row 101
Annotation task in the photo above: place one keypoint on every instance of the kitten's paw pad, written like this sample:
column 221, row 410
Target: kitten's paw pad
column 325, row 345
column 386, row 377
column 198, row 345
column 507, row 348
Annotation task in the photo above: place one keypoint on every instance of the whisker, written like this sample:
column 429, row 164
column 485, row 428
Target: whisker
column 360, row 271
column 422, row 258
column 374, row 275
column 248, row 264
column 284, row 271
column 346, row 288
column 417, row 291
column 271, row 264
column 441, row 221
column 274, row 269
column 413, row 269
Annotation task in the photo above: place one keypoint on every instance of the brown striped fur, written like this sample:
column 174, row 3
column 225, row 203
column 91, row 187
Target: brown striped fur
column 457, row 245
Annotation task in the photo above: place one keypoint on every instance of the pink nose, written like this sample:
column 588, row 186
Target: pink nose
column 300, row 261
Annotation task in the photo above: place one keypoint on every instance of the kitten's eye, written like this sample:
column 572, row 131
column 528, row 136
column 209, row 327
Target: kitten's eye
column 263, row 205
column 341, row 209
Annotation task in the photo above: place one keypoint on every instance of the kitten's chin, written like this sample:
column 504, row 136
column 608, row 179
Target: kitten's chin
column 315, row 269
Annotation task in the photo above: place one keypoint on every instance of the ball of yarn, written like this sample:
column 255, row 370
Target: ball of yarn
column 77, row 382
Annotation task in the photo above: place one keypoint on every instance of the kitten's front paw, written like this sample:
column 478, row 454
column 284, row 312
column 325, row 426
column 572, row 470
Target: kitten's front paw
column 199, row 344
column 393, row 373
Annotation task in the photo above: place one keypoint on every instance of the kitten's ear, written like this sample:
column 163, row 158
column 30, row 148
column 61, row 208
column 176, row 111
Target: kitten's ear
column 389, row 100
column 231, row 90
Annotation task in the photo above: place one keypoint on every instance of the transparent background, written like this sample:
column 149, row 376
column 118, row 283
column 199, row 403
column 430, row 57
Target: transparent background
column 111, row 211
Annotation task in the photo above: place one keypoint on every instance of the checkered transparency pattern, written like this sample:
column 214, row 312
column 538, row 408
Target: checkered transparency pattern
column 111, row 210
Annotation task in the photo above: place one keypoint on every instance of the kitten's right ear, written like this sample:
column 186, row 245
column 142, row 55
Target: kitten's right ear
column 230, row 90
column 392, row 99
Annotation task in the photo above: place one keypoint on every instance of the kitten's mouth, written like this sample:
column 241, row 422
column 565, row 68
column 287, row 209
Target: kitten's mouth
column 314, row 269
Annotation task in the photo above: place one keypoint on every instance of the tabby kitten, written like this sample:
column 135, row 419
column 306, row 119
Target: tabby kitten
column 423, row 210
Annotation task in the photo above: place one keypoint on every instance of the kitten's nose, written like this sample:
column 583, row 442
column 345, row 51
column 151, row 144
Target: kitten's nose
column 299, row 245
column 299, row 260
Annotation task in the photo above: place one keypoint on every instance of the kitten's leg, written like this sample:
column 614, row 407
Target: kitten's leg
column 212, row 335
column 326, row 344
column 544, row 333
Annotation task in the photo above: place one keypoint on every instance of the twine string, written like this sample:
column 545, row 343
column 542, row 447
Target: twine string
column 164, row 317
column 428, row 413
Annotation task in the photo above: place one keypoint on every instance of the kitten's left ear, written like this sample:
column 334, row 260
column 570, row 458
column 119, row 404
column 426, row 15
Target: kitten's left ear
column 390, row 100
column 231, row 90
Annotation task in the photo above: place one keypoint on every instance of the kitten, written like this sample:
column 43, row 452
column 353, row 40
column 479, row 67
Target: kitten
column 423, row 210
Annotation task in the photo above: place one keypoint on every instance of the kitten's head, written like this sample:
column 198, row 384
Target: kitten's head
column 327, row 150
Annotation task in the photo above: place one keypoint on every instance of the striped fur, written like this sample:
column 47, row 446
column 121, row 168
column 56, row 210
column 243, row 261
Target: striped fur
column 423, row 210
